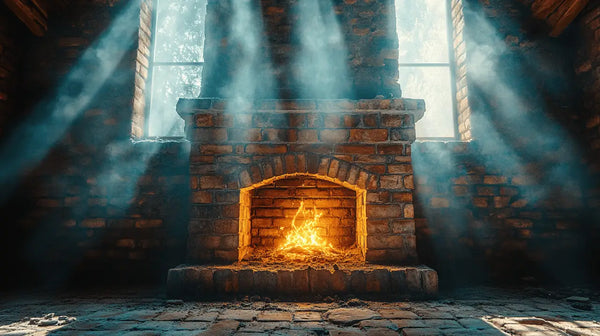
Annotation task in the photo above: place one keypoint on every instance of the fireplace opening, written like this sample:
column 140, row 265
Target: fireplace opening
column 302, row 218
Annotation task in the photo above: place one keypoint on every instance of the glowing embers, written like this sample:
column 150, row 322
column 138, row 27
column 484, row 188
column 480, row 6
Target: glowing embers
column 304, row 242
column 302, row 219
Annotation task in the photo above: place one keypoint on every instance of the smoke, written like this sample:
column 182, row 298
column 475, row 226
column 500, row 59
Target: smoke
column 321, row 63
column 28, row 144
column 515, row 135
column 100, row 177
column 516, row 119
column 252, row 74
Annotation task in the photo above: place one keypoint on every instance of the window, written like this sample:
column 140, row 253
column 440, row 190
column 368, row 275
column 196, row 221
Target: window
column 425, row 69
column 177, row 61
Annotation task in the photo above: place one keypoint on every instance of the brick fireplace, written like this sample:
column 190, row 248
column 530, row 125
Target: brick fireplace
column 269, row 154
column 349, row 158
column 251, row 167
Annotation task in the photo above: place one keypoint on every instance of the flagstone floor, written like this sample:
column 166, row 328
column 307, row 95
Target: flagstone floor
column 475, row 311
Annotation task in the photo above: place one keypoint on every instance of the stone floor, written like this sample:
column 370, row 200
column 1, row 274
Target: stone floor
column 476, row 311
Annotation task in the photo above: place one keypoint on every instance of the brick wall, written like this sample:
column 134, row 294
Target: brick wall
column 12, row 32
column 97, row 204
column 463, row 109
column 512, row 204
column 365, row 64
column 588, row 61
column 475, row 217
column 477, row 221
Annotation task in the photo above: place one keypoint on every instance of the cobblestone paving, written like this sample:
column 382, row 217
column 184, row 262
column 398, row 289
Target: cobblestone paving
column 481, row 311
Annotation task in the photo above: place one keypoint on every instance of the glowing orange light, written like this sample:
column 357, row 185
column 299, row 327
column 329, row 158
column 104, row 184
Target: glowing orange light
column 304, row 239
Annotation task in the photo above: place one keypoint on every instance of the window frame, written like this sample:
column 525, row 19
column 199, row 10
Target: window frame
column 451, row 66
column 150, row 82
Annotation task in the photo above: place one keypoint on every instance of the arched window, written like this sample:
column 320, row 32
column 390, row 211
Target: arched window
column 176, row 64
column 426, row 62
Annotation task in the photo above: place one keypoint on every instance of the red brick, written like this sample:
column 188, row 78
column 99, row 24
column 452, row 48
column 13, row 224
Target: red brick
column 370, row 120
column 211, row 182
column 368, row 135
column 245, row 134
column 409, row 211
column 148, row 223
column 93, row 223
column 309, row 135
column 392, row 120
column 480, row 202
column 391, row 182
column 126, row 243
column 202, row 197
column 332, row 121
column 265, row 149
column 214, row 135
column 355, row 149
column 375, row 227
column 492, row 179
column 405, row 226
column 385, row 241
column 403, row 197
column 215, row 149
column 391, row 149
column 351, row 120
column 334, row 136
column 383, row 211
column 400, row 169
column 226, row 226
column 268, row 212
column 204, row 120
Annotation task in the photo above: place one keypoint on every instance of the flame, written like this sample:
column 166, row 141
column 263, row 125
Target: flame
column 304, row 239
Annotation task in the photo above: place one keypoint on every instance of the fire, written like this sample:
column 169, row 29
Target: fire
column 304, row 240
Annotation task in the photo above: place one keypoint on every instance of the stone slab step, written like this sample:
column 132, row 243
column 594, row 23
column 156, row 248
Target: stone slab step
column 190, row 282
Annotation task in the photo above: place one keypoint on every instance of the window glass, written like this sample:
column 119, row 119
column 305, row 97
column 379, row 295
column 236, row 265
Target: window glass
column 433, row 85
column 177, row 62
column 424, row 63
column 179, row 35
column 169, row 84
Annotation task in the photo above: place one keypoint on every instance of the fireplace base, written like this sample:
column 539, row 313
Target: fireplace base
column 206, row 282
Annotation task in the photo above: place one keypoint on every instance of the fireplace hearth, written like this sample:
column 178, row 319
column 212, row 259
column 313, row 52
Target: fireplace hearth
column 334, row 175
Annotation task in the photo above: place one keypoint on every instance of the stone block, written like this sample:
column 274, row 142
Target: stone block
column 340, row 281
column 398, row 283
column 320, row 281
column 413, row 280
column 358, row 281
column 429, row 280
column 265, row 281
column 378, row 281
column 226, row 281
column 246, row 281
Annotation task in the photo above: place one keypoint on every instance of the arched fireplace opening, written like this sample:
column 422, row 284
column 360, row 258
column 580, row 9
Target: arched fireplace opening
column 302, row 217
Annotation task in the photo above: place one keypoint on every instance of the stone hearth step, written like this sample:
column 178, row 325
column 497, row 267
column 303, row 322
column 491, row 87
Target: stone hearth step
column 206, row 282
